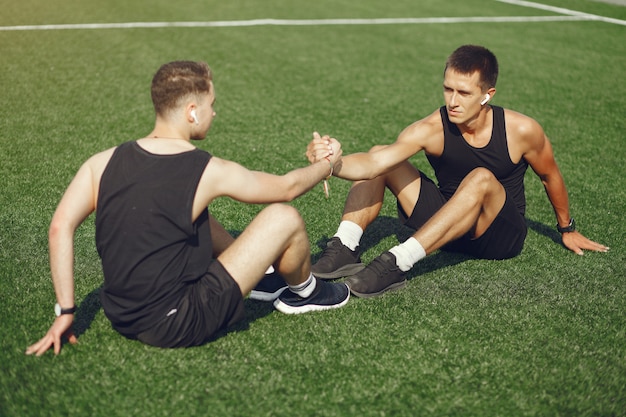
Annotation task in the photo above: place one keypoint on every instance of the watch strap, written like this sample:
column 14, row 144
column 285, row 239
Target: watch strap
column 60, row 311
column 569, row 228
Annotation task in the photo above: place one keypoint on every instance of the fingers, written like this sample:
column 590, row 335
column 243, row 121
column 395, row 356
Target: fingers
column 596, row 247
column 53, row 338
column 576, row 242
column 321, row 147
column 31, row 349
column 40, row 347
column 48, row 341
column 577, row 251
column 335, row 146
column 57, row 345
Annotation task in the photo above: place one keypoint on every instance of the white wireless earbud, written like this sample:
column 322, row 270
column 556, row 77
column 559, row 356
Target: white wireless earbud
column 194, row 117
column 485, row 100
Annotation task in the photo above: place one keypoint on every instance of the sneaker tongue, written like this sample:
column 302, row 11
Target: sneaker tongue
column 383, row 264
column 378, row 267
column 333, row 247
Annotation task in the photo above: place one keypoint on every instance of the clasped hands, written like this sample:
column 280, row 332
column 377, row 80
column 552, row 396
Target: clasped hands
column 324, row 147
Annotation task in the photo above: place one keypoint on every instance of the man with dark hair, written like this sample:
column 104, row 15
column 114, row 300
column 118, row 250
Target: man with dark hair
column 479, row 153
column 173, row 276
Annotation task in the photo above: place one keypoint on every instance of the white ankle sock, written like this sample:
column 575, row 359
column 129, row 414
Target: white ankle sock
column 349, row 233
column 306, row 288
column 408, row 253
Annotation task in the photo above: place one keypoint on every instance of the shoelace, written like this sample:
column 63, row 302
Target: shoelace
column 380, row 268
column 331, row 249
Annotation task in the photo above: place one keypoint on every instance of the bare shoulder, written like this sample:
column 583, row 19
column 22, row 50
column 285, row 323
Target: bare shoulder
column 215, row 173
column 426, row 133
column 424, row 127
column 525, row 136
column 98, row 162
column 520, row 126
column 216, row 167
column 220, row 178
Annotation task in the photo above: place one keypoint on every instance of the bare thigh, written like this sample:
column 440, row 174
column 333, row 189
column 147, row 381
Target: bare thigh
column 276, row 230
column 405, row 183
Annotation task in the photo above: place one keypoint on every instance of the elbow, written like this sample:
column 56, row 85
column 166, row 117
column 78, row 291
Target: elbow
column 55, row 230
column 291, row 194
column 544, row 178
column 58, row 229
column 293, row 190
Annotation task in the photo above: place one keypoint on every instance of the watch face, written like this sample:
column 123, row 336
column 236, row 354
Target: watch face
column 59, row 311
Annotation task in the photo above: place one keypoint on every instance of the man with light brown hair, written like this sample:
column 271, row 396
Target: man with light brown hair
column 173, row 276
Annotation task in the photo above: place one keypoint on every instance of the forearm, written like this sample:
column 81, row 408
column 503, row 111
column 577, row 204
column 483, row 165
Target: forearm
column 62, row 265
column 557, row 194
column 357, row 166
column 301, row 180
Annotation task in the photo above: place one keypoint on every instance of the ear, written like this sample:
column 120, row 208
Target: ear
column 190, row 113
column 488, row 96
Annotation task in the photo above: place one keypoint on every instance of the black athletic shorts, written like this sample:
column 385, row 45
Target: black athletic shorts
column 207, row 306
column 503, row 239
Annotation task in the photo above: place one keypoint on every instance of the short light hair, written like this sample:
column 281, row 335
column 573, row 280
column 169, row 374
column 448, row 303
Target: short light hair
column 468, row 59
column 178, row 80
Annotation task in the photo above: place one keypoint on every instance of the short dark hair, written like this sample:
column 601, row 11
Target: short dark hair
column 177, row 80
column 468, row 59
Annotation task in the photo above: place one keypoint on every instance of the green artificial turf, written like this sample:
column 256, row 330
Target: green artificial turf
column 539, row 335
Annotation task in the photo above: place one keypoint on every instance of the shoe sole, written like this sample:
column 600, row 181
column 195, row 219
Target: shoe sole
column 344, row 271
column 287, row 309
column 393, row 287
column 265, row 296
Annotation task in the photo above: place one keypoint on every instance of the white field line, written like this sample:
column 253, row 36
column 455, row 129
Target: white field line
column 561, row 10
column 570, row 15
column 281, row 22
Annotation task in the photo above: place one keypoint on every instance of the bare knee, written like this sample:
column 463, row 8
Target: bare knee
column 282, row 215
column 479, row 179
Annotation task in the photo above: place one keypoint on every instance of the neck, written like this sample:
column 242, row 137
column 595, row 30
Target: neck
column 167, row 134
column 165, row 137
column 169, row 129
column 476, row 124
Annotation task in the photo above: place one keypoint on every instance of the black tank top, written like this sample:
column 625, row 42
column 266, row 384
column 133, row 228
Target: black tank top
column 146, row 239
column 459, row 158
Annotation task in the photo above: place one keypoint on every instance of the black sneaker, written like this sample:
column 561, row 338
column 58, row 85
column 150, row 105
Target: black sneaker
column 325, row 296
column 378, row 277
column 269, row 288
column 337, row 261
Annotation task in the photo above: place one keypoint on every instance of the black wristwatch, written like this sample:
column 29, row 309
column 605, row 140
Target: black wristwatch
column 569, row 228
column 60, row 311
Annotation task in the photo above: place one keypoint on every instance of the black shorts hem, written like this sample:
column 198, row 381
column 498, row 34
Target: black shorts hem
column 503, row 239
column 207, row 306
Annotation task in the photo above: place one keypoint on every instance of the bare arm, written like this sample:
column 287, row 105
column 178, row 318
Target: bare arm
column 424, row 134
column 540, row 157
column 78, row 202
column 226, row 178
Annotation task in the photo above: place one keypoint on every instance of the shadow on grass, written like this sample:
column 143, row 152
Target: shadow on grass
column 385, row 226
column 90, row 306
column 381, row 228
column 86, row 312
column 254, row 311
column 548, row 231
